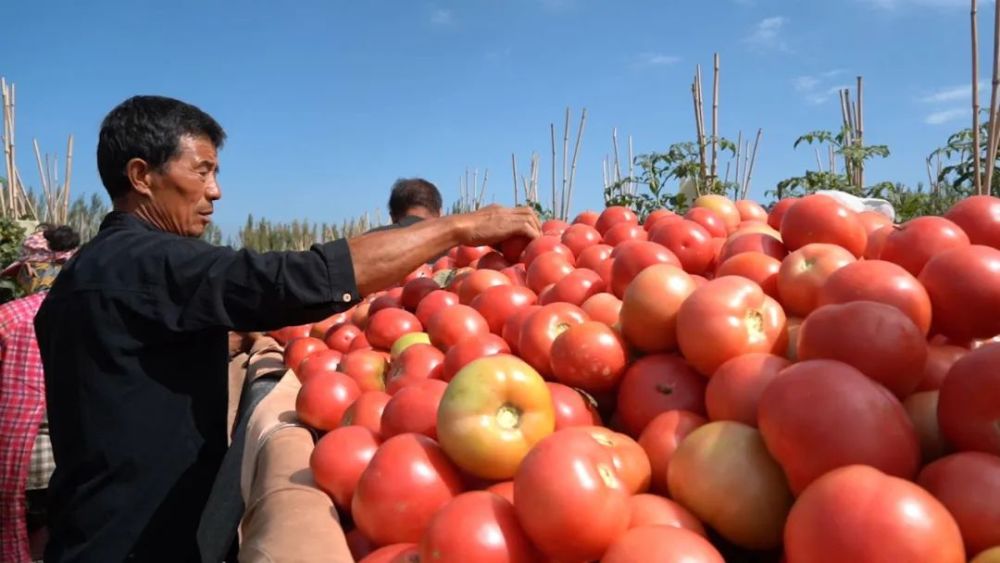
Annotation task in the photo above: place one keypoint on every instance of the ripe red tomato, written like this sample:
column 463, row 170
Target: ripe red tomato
column 451, row 325
column 603, row 307
column 752, row 242
column 540, row 330
column 544, row 245
column 367, row 368
column 477, row 526
column 663, row 544
column 725, row 318
column 358, row 544
column 653, row 218
column 805, row 271
column 478, row 282
column 391, row 299
column 340, row 338
column 579, row 237
column 359, row 314
column 918, row 240
column 735, row 388
column 414, row 409
column 339, row 458
column 318, row 362
column 491, row 261
column 629, row 458
column 710, row 220
column 590, row 356
column 547, row 269
column 899, row 522
column 498, row 303
column 660, row 439
column 723, row 207
column 751, row 211
column 625, row 232
column 969, row 405
column 819, row 218
column 964, row 286
column 319, row 330
column 579, row 515
column 777, row 214
column 387, row 325
column 877, row 339
column 655, row 384
column 594, row 256
column 466, row 255
column 614, row 215
column 408, row 479
column 414, row 291
column 512, row 328
column 652, row 510
column 940, row 358
column 876, row 242
column 635, row 257
column 289, row 333
column 571, row 407
column 443, row 263
column 872, row 427
column 756, row 267
column 407, row 552
column 922, row 407
column 979, row 217
column 418, row 362
column 322, row 400
column 576, row 287
column 300, row 349
column 586, row 218
column 359, row 343
column 432, row 303
column 554, row 227
column 513, row 248
column 881, row 281
column 726, row 464
column 968, row 484
column 366, row 411
column 461, row 354
column 688, row 241
column 648, row 313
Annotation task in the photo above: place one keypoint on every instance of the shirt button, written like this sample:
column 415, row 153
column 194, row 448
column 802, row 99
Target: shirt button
column 347, row 298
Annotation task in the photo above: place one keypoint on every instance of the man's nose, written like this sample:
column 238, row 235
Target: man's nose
column 214, row 191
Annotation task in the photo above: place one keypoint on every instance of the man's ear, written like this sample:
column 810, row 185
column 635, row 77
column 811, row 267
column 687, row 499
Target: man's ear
column 139, row 172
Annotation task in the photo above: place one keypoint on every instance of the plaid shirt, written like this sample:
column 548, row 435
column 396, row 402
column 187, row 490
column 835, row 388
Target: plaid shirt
column 22, row 410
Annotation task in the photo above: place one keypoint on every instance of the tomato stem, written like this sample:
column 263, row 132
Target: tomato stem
column 508, row 416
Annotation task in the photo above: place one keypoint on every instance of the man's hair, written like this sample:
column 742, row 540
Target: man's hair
column 150, row 128
column 408, row 193
column 60, row 237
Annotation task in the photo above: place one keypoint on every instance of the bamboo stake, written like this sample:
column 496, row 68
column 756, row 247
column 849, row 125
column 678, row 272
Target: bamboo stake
column 715, row 118
column 631, row 168
column 833, row 160
column 552, row 136
column 604, row 171
column 482, row 192
column 726, row 178
column 753, row 160
column 861, row 130
column 617, row 171
column 699, row 117
column 69, row 176
column 976, row 164
column 994, row 138
column 513, row 164
column 576, row 154
column 558, row 211
column 819, row 161
column 42, row 175
column 739, row 150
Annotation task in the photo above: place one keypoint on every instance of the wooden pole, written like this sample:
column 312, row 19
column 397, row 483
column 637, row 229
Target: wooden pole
column 631, row 167
column 753, row 160
column 976, row 156
column 557, row 212
column 513, row 165
column 576, row 153
column 69, row 176
column 739, row 151
column 994, row 137
column 715, row 120
column 861, row 130
column 552, row 134
column 617, row 171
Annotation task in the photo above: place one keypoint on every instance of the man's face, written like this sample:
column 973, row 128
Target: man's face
column 183, row 193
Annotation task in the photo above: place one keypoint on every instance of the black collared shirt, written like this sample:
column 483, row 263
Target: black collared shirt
column 133, row 338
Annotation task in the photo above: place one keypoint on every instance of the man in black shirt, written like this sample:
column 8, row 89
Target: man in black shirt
column 133, row 335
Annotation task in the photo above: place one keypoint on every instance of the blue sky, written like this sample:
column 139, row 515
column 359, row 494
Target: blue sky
column 327, row 102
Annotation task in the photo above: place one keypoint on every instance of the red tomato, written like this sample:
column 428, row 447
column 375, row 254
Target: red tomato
column 468, row 254
column 391, row 299
column 414, row 291
column 876, row 242
column 340, row 338
column 590, row 356
column 723, row 207
column 513, row 248
column 969, row 405
column 594, row 256
column 752, row 242
column 407, row 481
column 498, row 303
column 339, row 458
column 657, row 216
column 359, row 545
column 554, row 227
column 629, row 458
column 451, row 325
column 478, row 282
column 477, row 526
column 918, row 240
column 968, row 484
column 367, row 368
column 359, row 343
column 922, row 409
column 416, row 363
column 492, row 261
column 881, row 281
column 614, row 215
column 819, row 218
column 805, row 271
column 579, row 515
column 688, row 241
column 320, row 329
column 756, row 267
column 623, row 233
column 285, row 335
column 544, row 245
column 547, row 269
column 517, row 273
column 735, row 388
column 414, row 409
column 322, row 400
column 726, row 464
column 396, row 553
column 652, row 510
column 979, row 217
column 424, row 271
column 470, row 349
column 503, row 489
column 710, row 220
column 432, row 303
column 572, row 407
column 387, row 325
column 649, row 309
column 725, row 318
column 655, row 384
column 899, row 522
column 634, row 258
column 663, row 544
column 751, row 211
column 579, row 237
column 660, row 439
column 777, row 214
column 540, row 330
column 603, row 307
column 493, row 412
column 300, row 349
column 576, row 287
column 798, row 409
column 359, row 316
column 512, row 328
column 443, row 263
column 940, row 358
column 964, row 286
column 318, row 362
column 877, row 339
column 366, row 411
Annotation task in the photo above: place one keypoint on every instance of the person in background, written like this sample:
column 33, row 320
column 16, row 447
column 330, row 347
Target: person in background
column 26, row 461
column 412, row 200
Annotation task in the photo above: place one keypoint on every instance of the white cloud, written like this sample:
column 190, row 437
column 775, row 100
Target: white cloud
column 820, row 98
column 817, row 89
column 767, row 33
column 442, row 17
column 805, row 83
column 946, row 116
column 657, row 59
column 952, row 94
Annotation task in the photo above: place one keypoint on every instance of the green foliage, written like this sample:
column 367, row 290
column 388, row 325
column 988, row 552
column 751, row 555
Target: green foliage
column 11, row 237
column 544, row 213
column 958, row 151
column 263, row 235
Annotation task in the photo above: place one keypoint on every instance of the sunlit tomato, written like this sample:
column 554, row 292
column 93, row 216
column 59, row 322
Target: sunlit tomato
column 655, row 384
column 969, row 405
column 571, row 407
column 756, row 267
column 604, row 270
column 319, row 330
column 590, row 356
column 443, row 263
column 407, row 552
column 414, row 291
column 603, row 307
column 579, row 237
column 798, row 409
column 416, row 363
column 586, row 218
column 300, row 349
column 318, row 362
column 576, row 287
column 340, row 338
column 877, row 339
column 387, row 325
column 623, row 233
column 805, row 271
column 359, row 343
column 322, row 400
column 492, row 261
column 735, row 388
column 873, row 221
column 593, row 256
column 289, row 333
column 408, row 479
column 407, row 340
column 968, row 484
column 656, row 216
column 634, row 258
column 512, row 328
column 940, row 358
column 578, row 515
column 979, row 217
column 660, row 439
column 366, row 411
column 921, row 407
column 468, row 254
column 652, row 510
column 434, row 302
column 723, row 207
column 339, row 458
column 614, row 215
column 473, row 348
column 413, row 408
column 454, row 282
column 498, row 303
column 494, row 410
column 881, row 281
column 876, row 242
column 759, row 227
column 725, row 318
column 777, row 213
column 751, row 211
column 391, row 299
column 793, row 324
column 964, row 286
column 451, row 325
column 547, row 269
column 663, row 544
column 629, row 458
column 503, row 489
column 649, row 309
column 540, row 330
column 359, row 314
column 554, row 227
column 752, row 242
column 688, row 241
column 478, row 282
column 367, row 368
column 899, row 522
column 725, row 463
column 918, row 240
column 543, row 245
column 991, row 555
column 477, row 526
column 819, row 218
column 512, row 248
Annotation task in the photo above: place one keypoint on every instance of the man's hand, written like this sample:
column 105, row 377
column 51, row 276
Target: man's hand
column 495, row 224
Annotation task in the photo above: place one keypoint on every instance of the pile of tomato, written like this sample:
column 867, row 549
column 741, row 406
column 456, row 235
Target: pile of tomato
column 808, row 384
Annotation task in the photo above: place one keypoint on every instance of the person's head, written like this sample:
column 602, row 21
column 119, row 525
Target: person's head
column 158, row 158
column 416, row 197
column 43, row 254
